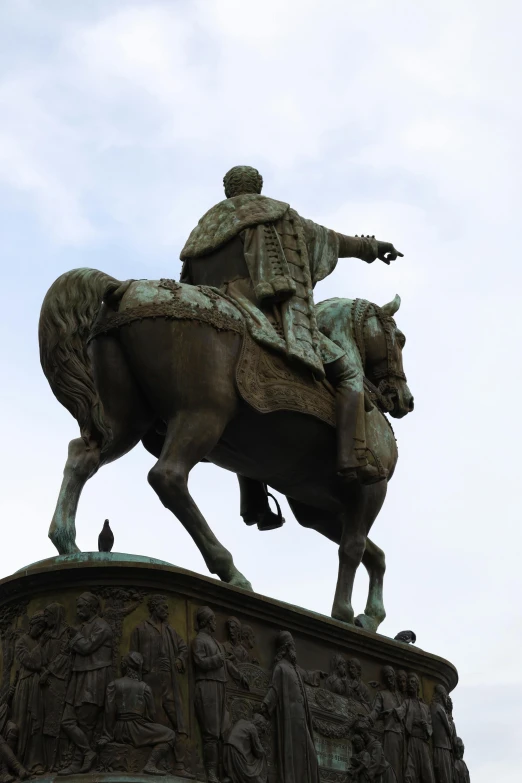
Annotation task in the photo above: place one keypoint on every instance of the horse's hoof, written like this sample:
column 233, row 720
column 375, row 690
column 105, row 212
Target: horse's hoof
column 345, row 615
column 240, row 581
column 367, row 623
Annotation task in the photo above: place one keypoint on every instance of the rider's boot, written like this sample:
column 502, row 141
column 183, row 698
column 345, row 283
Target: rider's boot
column 352, row 462
column 254, row 506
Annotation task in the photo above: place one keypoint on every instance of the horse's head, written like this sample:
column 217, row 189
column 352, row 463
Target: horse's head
column 384, row 343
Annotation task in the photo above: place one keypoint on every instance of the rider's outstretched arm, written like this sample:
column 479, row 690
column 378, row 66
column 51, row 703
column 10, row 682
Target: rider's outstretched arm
column 366, row 248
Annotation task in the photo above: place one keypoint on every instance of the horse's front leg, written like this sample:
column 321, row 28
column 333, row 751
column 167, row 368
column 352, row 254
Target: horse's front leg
column 82, row 463
column 351, row 550
column 191, row 435
column 375, row 563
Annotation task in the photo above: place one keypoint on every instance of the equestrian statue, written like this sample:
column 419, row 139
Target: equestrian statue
column 235, row 365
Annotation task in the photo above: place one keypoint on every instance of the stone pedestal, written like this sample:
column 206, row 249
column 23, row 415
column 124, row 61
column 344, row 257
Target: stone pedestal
column 43, row 673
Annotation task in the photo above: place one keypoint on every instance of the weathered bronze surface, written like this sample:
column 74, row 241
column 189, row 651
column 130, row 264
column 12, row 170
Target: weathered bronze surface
column 121, row 670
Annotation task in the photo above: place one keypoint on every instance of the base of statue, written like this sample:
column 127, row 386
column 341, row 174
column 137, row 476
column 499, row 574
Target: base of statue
column 67, row 624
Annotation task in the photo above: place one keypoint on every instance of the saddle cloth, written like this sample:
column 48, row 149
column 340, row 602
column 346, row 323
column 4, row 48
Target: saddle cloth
column 268, row 383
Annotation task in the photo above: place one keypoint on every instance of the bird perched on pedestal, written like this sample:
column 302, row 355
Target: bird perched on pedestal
column 106, row 538
column 407, row 637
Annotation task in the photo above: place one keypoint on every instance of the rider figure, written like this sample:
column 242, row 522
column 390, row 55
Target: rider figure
column 267, row 258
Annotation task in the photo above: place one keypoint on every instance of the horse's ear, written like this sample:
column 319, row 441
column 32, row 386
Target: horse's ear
column 391, row 307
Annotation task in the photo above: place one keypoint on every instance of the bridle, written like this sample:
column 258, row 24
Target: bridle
column 387, row 380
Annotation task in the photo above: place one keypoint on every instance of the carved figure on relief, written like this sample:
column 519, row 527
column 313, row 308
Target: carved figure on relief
column 358, row 690
column 415, row 714
column 287, row 702
column 461, row 769
column 27, row 700
column 385, row 705
column 10, row 766
column 91, row 674
column 56, row 669
column 368, row 763
column 249, row 642
column 234, row 646
column 244, row 758
column 165, row 656
column 443, row 739
column 129, row 716
column 211, row 667
column 338, row 681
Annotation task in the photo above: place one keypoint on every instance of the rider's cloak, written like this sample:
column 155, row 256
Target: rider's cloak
column 280, row 258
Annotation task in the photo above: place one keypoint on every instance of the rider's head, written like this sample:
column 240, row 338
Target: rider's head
column 242, row 179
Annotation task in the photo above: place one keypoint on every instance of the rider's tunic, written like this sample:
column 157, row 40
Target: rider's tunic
column 267, row 258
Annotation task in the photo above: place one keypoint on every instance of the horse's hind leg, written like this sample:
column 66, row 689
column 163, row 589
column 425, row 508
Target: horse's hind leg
column 82, row 463
column 128, row 416
column 191, row 435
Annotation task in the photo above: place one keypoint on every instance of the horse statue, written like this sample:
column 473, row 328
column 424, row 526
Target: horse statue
column 173, row 366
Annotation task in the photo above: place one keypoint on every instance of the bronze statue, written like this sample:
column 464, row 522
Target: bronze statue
column 287, row 701
column 415, row 714
column 165, row 656
column 263, row 255
column 211, row 666
column 248, row 333
column 130, row 714
column 91, row 674
column 384, row 708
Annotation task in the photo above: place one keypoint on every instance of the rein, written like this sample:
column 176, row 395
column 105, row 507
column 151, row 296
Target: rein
column 387, row 379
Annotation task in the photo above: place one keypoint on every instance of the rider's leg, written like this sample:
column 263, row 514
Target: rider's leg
column 352, row 463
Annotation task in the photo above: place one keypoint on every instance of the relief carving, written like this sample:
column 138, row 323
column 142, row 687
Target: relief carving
column 211, row 667
column 91, row 673
column 27, row 699
column 287, row 702
column 461, row 770
column 416, row 717
column 384, row 709
column 129, row 716
column 368, row 763
column 443, row 739
column 165, row 657
column 244, row 756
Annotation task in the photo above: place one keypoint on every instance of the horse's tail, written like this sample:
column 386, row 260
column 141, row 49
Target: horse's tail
column 66, row 319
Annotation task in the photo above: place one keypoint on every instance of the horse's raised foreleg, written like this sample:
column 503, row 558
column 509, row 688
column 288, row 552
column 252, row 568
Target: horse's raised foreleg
column 82, row 463
column 191, row 435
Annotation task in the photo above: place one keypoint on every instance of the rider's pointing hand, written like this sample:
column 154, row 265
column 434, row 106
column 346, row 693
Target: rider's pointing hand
column 386, row 252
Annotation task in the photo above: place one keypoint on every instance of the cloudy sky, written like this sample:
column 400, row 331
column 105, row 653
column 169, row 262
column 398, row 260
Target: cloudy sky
column 396, row 118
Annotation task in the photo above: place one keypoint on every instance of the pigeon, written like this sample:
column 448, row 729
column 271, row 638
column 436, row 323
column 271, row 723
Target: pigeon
column 407, row 637
column 106, row 538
